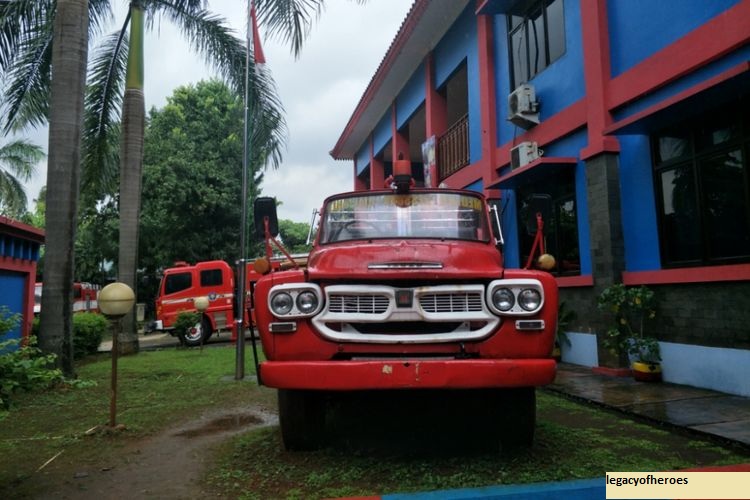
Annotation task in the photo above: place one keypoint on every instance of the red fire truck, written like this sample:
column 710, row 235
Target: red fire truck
column 84, row 297
column 405, row 289
column 182, row 284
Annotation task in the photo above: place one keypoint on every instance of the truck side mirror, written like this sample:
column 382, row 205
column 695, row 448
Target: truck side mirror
column 535, row 203
column 265, row 207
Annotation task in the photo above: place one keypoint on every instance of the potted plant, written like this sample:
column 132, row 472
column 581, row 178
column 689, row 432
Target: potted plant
column 632, row 308
column 564, row 318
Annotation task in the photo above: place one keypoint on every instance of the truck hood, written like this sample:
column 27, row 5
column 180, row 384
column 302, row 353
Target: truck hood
column 405, row 259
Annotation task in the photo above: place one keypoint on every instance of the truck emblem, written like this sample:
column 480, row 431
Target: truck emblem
column 212, row 296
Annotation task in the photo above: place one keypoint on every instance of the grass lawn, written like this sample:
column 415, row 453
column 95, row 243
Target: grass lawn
column 156, row 389
column 375, row 443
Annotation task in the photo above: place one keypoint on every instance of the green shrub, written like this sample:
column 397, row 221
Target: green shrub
column 24, row 368
column 88, row 330
column 185, row 321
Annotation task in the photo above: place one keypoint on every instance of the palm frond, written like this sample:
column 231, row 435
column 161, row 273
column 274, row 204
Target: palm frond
column 289, row 20
column 103, row 105
column 20, row 157
column 17, row 19
column 100, row 13
column 12, row 196
column 268, row 129
column 210, row 37
column 27, row 91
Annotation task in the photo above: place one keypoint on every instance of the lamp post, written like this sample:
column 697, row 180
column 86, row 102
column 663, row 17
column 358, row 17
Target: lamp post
column 115, row 301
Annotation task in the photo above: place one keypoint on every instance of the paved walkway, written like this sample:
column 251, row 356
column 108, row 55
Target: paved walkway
column 701, row 410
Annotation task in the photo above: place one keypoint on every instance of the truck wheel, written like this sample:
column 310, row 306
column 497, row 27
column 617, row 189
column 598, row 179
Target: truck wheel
column 516, row 417
column 302, row 419
column 197, row 335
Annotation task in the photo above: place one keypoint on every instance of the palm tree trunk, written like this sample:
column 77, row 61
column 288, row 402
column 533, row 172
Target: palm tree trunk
column 131, row 166
column 69, row 56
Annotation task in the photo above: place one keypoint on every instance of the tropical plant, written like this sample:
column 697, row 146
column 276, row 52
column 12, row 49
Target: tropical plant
column 18, row 160
column 25, row 56
column 631, row 308
column 23, row 367
column 88, row 330
column 67, row 56
column 565, row 316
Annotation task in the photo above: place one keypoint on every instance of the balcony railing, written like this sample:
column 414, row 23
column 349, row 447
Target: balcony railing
column 453, row 148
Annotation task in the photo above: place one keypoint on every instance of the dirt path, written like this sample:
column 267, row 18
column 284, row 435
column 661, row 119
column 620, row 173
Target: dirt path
column 165, row 466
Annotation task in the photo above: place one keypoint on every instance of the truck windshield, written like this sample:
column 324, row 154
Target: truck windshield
column 434, row 215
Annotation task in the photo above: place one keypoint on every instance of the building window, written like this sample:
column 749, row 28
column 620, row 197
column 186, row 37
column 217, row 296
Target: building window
column 702, row 189
column 555, row 199
column 536, row 38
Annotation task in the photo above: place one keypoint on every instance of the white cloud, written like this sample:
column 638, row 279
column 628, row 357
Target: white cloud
column 319, row 90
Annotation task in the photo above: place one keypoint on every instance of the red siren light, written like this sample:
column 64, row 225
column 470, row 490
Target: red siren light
column 402, row 175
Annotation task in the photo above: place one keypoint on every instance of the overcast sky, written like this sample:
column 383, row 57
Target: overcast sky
column 319, row 90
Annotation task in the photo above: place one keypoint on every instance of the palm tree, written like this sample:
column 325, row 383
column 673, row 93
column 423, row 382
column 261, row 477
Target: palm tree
column 25, row 41
column 68, row 83
column 18, row 161
column 25, row 48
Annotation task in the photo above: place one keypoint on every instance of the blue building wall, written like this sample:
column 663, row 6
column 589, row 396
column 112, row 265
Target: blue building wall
column 558, row 86
column 635, row 36
column 12, row 290
column 459, row 44
column 411, row 97
column 697, row 77
column 638, row 204
column 363, row 159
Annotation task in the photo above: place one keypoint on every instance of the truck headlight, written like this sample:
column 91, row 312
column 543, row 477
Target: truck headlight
column 529, row 299
column 307, row 302
column 503, row 299
column 281, row 303
column 295, row 300
column 515, row 296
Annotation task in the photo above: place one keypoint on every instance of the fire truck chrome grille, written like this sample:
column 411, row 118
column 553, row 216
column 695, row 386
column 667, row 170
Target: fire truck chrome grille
column 358, row 304
column 369, row 313
column 451, row 302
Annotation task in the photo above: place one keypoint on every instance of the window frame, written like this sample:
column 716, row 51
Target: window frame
column 694, row 159
column 527, row 15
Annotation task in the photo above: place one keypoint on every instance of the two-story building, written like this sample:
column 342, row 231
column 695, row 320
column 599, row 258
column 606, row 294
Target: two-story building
column 628, row 120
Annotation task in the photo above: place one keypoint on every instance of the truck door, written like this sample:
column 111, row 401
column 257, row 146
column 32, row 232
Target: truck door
column 176, row 296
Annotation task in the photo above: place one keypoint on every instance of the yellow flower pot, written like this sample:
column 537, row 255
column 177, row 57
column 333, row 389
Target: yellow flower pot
column 646, row 372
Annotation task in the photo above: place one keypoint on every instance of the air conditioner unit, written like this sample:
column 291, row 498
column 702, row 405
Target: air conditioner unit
column 523, row 154
column 523, row 108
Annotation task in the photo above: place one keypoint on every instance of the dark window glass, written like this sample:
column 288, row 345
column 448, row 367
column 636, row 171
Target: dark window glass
column 536, row 39
column 680, row 215
column 177, row 283
column 211, row 277
column 703, row 189
column 726, row 206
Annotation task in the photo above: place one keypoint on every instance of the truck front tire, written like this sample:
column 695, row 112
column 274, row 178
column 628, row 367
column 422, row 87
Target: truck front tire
column 302, row 419
column 197, row 335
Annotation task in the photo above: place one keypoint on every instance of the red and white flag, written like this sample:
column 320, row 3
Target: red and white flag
column 260, row 58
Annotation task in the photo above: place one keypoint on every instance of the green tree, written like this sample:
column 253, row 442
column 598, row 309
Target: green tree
column 25, row 55
column 294, row 235
column 18, row 160
column 192, row 169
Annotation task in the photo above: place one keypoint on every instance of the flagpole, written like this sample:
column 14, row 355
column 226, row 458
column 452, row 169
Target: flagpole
column 239, row 372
